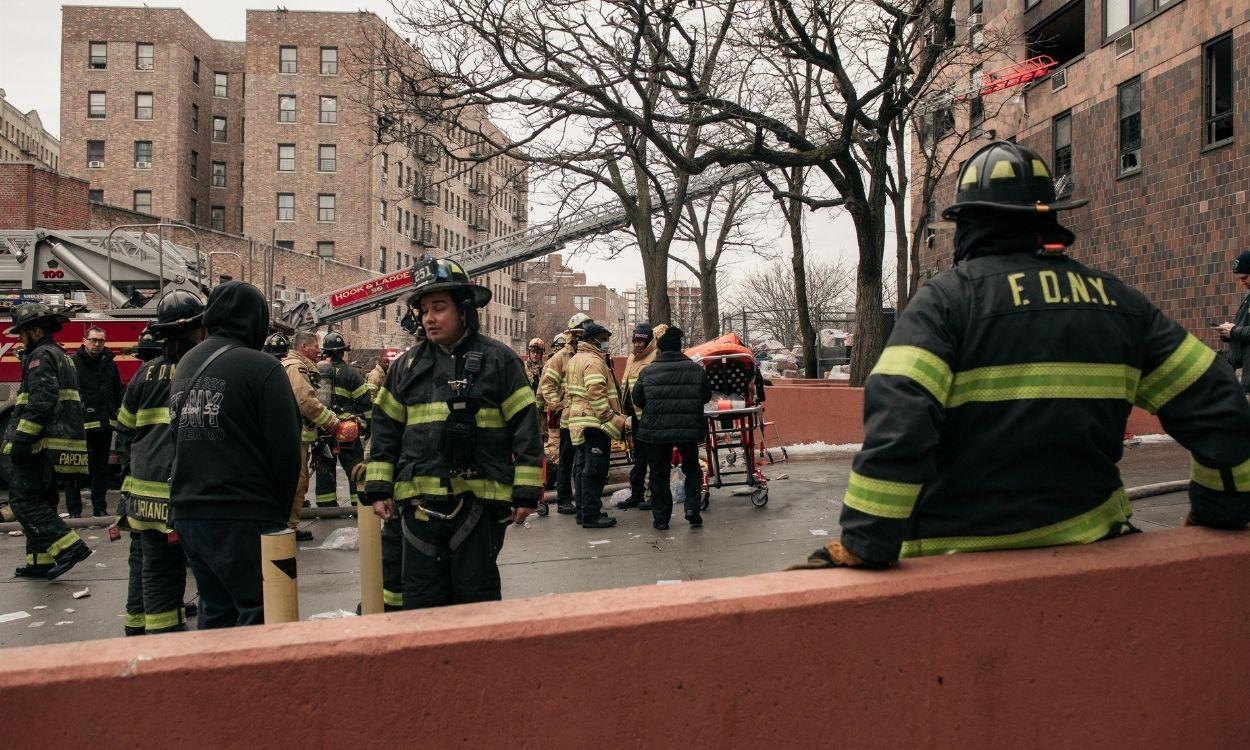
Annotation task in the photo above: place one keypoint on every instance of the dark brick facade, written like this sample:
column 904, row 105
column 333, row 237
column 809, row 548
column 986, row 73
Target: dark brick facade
column 1173, row 228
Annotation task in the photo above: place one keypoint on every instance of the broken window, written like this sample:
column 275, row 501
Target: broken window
column 1062, row 36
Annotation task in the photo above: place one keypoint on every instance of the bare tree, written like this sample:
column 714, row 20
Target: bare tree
column 730, row 219
column 768, row 298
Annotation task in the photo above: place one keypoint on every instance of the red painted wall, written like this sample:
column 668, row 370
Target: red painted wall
column 1136, row 642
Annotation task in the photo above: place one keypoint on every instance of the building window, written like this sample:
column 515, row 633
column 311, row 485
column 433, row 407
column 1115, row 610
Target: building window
column 143, row 56
column 95, row 154
column 143, row 201
column 286, row 60
column 549, row 299
column 96, row 105
column 286, row 108
column 1130, row 126
column 219, row 129
column 195, row 165
column 327, row 157
column 195, row 70
column 95, row 196
column 99, row 55
column 976, row 105
column 1123, row 13
column 582, row 303
column 386, row 160
column 1063, row 150
column 143, row 154
column 195, row 118
column 976, row 24
column 329, row 109
column 286, row 206
column 194, row 210
column 143, row 105
column 217, row 218
column 382, row 213
column 325, row 207
column 221, row 84
column 329, row 61
column 1061, row 36
column 1217, row 91
column 325, row 249
column 286, row 244
column 286, row 157
column 219, row 174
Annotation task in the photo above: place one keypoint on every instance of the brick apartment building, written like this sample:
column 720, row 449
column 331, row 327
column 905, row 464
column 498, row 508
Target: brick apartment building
column 1147, row 115
column 274, row 138
column 684, row 302
column 22, row 137
column 557, row 292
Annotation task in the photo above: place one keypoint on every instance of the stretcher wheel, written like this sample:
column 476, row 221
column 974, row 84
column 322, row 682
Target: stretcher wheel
column 759, row 497
column 705, row 499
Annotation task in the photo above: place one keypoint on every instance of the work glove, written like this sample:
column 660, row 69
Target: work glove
column 358, row 474
column 832, row 555
column 22, row 453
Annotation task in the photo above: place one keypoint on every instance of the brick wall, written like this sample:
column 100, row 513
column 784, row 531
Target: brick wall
column 34, row 196
column 1172, row 229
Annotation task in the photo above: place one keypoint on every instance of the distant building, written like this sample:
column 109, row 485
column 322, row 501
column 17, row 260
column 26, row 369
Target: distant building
column 22, row 137
column 684, row 298
column 557, row 292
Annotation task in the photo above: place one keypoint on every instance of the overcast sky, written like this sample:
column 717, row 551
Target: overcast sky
column 30, row 53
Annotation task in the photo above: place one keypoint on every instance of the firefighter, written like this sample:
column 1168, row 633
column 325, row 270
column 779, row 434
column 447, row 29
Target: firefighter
column 392, row 537
column 45, row 441
column 551, row 427
column 278, row 345
column 455, row 451
column 995, row 416
column 535, row 355
column 642, row 353
column 595, row 420
column 305, row 379
column 145, row 446
column 100, row 387
column 377, row 375
column 343, row 389
column 554, row 396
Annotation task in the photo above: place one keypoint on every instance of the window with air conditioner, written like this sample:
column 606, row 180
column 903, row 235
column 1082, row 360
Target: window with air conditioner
column 1129, row 103
column 98, row 55
column 144, row 56
column 143, row 154
column 95, row 154
column 1062, row 36
column 1217, row 91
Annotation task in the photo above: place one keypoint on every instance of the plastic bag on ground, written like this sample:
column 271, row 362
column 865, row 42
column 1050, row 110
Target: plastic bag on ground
column 347, row 538
column 619, row 496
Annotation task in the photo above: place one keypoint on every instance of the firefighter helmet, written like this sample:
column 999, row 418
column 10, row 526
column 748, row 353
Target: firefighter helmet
column 1006, row 176
column 348, row 431
column 559, row 341
column 579, row 321
column 443, row 275
column 537, row 343
column 33, row 314
column 277, row 344
column 334, row 342
column 149, row 345
column 177, row 310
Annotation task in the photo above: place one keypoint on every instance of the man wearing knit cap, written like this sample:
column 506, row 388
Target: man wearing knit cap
column 642, row 354
column 673, row 390
column 1237, row 333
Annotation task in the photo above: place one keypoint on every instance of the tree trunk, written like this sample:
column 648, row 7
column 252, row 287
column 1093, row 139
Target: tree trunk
column 901, row 254
column 869, row 321
column 798, row 262
column 709, row 303
column 655, row 275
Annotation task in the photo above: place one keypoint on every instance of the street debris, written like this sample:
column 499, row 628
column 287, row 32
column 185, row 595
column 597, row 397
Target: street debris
column 11, row 616
column 336, row 614
column 37, row 624
column 16, row 532
column 346, row 538
column 65, row 622
column 818, row 532
column 101, row 565
column 69, row 611
column 667, row 581
column 597, row 542
column 82, row 594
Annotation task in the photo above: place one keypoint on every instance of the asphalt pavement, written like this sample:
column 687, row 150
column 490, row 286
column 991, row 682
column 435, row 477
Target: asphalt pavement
column 551, row 555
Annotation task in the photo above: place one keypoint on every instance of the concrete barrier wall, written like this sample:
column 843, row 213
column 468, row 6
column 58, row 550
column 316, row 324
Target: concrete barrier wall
column 1137, row 642
column 805, row 413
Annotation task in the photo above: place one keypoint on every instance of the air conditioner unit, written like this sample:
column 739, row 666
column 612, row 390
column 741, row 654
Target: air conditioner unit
column 143, row 165
column 143, row 66
column 1124, row 44
column 974, row 20
column 1058, row 79
column 95, row 165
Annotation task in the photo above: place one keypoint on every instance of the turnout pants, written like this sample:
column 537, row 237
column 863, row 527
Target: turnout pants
column 158, row 580
column 301, row 487
column 33, row 499
column 638, row 472
column 392, row 565
column 225, row 558
column 327, row 485
column 98, row 442
column 595, row 453
column 660, row 456
column 569, row 470
column 453, row 561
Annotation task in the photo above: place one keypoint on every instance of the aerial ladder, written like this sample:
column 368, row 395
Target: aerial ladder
column 526, row 244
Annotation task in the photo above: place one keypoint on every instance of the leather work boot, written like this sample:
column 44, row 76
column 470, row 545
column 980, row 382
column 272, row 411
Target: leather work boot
column 77, row 552
column 33, row 571
column 303, row 535
column 566, row 509
column 602, row 521
column 543, row 510
column 632, row 502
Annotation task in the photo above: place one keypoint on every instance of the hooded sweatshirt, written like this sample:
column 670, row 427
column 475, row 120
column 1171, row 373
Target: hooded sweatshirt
column 237, row 448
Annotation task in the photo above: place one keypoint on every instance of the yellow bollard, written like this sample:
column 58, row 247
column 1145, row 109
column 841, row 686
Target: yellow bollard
column 370, row 560
column 277, row 562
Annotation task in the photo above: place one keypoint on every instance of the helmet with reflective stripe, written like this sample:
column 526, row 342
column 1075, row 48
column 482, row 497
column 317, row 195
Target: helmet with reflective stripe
column 31, row 314
column 444, row 275
column 1006, row 176
column 578, row 322
column 334, row 342
column 176, row 311
column 277, row 344
column 559, row 341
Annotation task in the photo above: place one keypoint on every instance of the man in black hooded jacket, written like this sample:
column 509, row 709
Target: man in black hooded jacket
column 100, row 386
column 237, row 453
